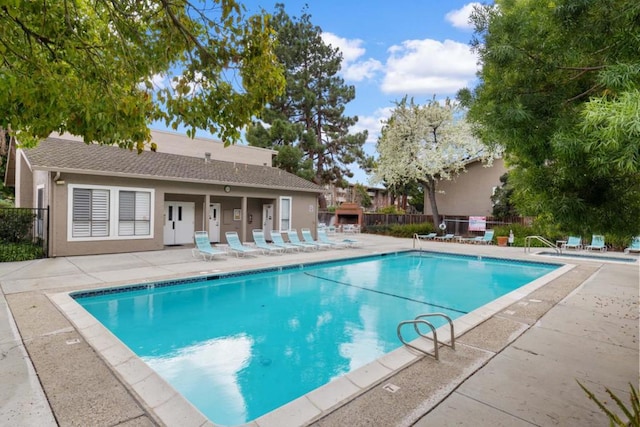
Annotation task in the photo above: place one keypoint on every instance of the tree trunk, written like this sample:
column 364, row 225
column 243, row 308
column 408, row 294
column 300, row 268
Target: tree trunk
column 4, row 143
column 430, row 188
column 322, row 202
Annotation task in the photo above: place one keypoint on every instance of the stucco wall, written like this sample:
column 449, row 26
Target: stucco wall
column 175, row 143
column 180, row 144
column 172, row 191
column 24, row 183
column 470, row 192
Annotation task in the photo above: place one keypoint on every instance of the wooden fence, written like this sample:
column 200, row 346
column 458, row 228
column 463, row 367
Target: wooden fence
column 458, row 225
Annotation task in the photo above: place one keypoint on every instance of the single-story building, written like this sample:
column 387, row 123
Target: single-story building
column 470, row 192
column 105, row 199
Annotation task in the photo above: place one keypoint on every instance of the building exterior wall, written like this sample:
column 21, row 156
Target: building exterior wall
column 470, row 192
column 175, row 143
column 303, row 211
column 24, row 183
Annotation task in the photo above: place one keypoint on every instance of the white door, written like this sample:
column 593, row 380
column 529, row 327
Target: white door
column 214, row 222
column 179, row 222
column 267, row 220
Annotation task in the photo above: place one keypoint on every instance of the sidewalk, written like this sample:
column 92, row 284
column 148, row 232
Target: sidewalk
column 517, row 368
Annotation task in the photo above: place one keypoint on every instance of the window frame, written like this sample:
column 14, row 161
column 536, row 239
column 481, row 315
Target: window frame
column 114, row 212
column 281, row 212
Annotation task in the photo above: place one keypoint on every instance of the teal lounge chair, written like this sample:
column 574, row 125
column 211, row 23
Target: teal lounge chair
column 278, row 240
column 445, row 238
column 323, row 238
column 487, row 239
column 261, row 243
column 295, row 240
column 597, row 242
column 635, row 245
column 236, row 245
column 574, row 242
column 429, row 236
column 203, row 246
column 308, row 238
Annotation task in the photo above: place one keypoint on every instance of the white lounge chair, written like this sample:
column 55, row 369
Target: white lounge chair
column 308, row 238
column 236, row 245
column 278, row 240
column 203, row 246
column 261, row 243
column 323, row 238
column 295, row 240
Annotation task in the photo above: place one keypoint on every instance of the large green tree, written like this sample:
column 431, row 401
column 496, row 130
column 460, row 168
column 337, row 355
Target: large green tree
column 426, row 144
column 307, row 124
column 559, row 89
column 86, row 67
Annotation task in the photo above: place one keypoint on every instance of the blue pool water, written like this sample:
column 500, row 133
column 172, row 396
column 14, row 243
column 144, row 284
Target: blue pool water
column 238, row 346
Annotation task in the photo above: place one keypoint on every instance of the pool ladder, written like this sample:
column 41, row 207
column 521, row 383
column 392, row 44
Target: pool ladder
column 419, row 320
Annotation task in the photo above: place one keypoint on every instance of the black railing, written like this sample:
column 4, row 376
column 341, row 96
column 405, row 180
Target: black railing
column 24, row 233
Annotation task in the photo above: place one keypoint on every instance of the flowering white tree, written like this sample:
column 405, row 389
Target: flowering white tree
column 426, row 144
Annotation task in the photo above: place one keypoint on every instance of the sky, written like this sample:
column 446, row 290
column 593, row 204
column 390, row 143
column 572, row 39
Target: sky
column 417, row 48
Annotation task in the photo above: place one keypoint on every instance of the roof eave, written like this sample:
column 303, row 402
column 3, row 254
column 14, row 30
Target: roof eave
column 172, row 179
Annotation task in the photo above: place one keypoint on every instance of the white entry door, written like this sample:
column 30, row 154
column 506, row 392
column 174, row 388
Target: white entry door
column 179, row 222
column 267, row 220
column 214, row 222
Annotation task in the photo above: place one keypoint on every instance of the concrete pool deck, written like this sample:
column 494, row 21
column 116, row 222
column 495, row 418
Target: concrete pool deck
column 517, row 367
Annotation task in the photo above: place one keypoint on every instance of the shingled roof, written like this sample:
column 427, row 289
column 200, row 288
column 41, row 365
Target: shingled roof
column 60, row 155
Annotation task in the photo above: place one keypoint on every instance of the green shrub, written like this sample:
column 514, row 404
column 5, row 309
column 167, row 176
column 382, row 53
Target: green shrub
column 15, row 224
column 401, row 230
column 10, row 252
column 390, row 210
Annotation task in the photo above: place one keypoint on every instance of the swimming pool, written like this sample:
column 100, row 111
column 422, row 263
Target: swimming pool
column 249, row 343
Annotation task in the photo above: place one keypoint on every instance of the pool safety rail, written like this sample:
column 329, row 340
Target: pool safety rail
column 419, row 320
column 418, row 237
column 546, row 242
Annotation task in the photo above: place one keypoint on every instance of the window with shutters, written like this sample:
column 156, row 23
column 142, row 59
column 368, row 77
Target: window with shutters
column 105, row 213
column 285, row 213
column 134, row 217
column 90, row 213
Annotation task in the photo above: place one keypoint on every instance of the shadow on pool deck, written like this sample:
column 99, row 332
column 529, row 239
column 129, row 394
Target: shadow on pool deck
column 519, row 367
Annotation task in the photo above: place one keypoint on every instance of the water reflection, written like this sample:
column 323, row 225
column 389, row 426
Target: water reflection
column 211, row 365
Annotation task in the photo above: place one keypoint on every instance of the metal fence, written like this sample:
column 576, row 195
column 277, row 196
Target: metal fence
column 24, row 231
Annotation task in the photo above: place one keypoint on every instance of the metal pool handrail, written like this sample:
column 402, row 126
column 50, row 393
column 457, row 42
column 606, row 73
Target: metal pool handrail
column 527, row 243
column 420, row 320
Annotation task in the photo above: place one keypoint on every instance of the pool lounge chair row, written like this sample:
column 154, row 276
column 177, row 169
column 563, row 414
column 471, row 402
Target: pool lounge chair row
column 575, row 242
column 204, row 248
column 487, row 239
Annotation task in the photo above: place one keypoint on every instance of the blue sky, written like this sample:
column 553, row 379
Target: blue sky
column 418, row 48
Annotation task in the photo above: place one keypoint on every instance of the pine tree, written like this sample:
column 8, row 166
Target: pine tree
column 307, row 125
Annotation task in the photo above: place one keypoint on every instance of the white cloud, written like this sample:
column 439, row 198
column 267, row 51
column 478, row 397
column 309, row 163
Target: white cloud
column 372, row 124
column 460, row 18
column 159, row 81
column 353, row 69
column 195, row 84
column 359, row 71
column 351, row 49
column 429, row 67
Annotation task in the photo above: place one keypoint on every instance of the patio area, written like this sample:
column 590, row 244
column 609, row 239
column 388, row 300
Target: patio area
column 518, row 366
